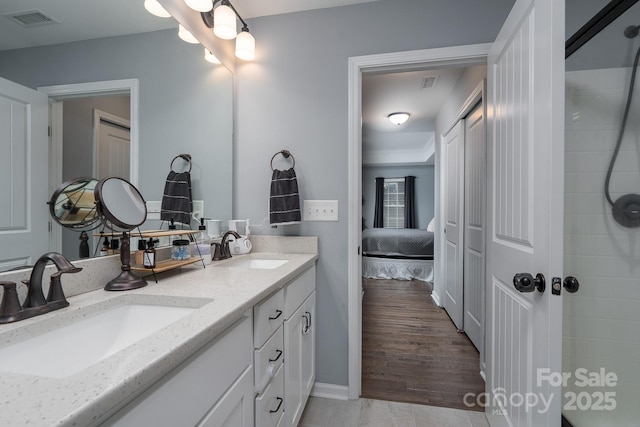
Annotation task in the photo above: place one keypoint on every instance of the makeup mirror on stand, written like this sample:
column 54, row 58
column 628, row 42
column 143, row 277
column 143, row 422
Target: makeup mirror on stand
column 121, row 207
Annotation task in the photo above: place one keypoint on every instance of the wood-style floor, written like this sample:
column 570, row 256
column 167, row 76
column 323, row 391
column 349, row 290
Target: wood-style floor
column 411, row 350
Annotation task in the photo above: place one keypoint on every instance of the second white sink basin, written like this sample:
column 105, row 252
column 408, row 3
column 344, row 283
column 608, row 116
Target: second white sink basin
column 80, row 343
column 255, row 263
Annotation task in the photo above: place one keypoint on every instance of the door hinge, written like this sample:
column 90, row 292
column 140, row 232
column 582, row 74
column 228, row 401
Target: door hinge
column 49, row 226
column 49, row 131
column 358, row 250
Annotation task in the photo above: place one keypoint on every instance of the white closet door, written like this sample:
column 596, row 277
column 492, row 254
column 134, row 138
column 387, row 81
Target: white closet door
column 454, row 216
column 474, row 220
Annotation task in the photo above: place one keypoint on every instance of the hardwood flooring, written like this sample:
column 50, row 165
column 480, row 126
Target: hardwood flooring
column 411, row 350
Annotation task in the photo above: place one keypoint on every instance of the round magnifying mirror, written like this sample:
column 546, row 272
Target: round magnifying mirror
column 120, row 203
column 73, row 204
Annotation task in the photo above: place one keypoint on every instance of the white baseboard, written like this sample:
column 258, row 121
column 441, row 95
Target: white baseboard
column 330, row 391
column 436, row 299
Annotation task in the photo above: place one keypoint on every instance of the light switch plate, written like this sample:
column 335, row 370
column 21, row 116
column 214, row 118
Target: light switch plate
column 320, row 210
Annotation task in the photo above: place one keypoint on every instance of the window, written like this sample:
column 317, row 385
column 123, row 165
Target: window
column 393, row 203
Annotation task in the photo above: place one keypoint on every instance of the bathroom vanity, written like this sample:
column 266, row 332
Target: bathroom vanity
column 240, row 351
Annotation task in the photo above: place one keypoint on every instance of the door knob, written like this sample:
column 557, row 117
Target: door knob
column 571, row 284
column 525, row 282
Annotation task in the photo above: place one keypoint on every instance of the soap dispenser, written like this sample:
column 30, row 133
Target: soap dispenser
column 203, row 243
column 150, row 255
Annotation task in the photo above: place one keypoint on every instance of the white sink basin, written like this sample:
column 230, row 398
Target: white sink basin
column 80, row 343
column 255, row 263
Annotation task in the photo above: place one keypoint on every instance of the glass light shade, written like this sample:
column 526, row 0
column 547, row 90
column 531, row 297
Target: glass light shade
column 200, row 5
column 245, row 46
column 224, row 22
column 210, row 57
column 398, row 118
column 154, row 8
column 185, row 35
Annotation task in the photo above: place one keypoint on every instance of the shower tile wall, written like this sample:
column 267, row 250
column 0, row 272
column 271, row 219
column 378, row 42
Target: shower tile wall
column 602, row 320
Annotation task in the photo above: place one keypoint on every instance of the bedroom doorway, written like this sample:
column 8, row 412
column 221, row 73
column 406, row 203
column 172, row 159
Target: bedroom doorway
column 411, row 350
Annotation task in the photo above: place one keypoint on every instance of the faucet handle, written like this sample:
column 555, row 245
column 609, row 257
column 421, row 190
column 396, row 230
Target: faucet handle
column 10, row 302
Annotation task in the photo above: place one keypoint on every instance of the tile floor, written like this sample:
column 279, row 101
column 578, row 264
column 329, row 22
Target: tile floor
column 321, row 412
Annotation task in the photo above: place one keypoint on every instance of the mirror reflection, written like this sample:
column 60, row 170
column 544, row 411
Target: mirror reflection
column 185, row 105
column 73, row 204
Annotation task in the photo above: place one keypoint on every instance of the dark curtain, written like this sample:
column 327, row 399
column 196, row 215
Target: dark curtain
column 378, row 220
column 409, row 202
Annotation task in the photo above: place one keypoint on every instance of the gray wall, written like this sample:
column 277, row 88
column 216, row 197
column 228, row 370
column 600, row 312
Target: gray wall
column 294, row 96
column 424, row 190
column 186, row 103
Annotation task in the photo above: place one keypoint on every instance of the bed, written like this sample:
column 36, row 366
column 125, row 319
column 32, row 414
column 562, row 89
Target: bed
column 397, row 253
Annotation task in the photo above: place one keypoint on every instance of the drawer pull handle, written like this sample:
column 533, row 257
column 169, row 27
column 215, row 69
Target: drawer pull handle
column 278, row 314
column 277, row 357
column 273, row 411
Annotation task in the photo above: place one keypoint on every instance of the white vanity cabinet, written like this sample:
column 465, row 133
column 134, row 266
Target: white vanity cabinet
column 299, row 345
column 214, row 387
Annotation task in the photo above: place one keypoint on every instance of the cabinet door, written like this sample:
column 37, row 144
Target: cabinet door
column 299, row 362
column 292, row 368
column 308, row 347
column 235, row 408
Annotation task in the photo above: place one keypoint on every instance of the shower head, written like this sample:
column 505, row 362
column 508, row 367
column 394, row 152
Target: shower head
column 632, row 31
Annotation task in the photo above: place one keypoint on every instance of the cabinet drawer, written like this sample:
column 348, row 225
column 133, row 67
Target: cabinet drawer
column 297, row 291
column 268, row 359
column 267, row 318
column 270, row 403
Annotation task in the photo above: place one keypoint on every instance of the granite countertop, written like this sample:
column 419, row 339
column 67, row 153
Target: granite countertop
column 90, row 396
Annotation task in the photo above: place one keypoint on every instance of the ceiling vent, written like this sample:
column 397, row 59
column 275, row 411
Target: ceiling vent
column 31, row 18
column 429, row 81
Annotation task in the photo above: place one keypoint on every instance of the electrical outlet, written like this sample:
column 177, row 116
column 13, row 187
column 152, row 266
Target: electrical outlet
column 320, row 210
column 153, row 209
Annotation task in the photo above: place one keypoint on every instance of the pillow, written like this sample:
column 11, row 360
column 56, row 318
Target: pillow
column 432, row 224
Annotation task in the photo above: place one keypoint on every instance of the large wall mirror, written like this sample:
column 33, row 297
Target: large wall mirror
column 185, row 105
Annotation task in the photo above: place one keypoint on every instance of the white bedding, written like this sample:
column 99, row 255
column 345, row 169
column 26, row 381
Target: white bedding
column 401, row 269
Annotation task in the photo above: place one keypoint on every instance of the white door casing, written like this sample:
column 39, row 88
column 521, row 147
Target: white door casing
column 24, row 175
column 474, row 220
column 454, row 147
column 112, row 135
column 525, row 229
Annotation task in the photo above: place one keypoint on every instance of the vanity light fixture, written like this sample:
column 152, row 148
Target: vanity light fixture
column 185, row 35
column 200, row 5
column 155, row 8
column 210, row 57
column 222, row 18
column 398, row 118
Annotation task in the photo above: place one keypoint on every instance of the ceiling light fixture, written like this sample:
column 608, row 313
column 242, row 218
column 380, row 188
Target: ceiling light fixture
column 154, row 8
column 398, row 118
column 223, row 21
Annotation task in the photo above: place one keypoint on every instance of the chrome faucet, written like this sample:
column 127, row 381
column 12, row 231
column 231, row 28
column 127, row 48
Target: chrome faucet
column 221, row 250
column 35, row 303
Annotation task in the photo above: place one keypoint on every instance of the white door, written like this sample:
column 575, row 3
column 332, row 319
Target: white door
column 454, row 216
column 112, row 147
column 525, row 231
column 474, row 220
column 24, row 175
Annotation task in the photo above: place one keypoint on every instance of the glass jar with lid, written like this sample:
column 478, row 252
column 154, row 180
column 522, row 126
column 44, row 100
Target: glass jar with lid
column 180, row 250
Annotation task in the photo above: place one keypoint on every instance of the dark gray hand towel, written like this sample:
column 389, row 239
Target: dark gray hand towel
column 284, row 203
column 176, row 201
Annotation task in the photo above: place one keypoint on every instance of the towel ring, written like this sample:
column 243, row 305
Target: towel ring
column 286, row 154
column 185, row 157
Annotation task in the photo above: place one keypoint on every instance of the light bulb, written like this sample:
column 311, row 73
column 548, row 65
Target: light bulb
column 185, row 35
column 154, row 8
column 224, row 22
column 245, row 46
column 200, row 5
column 210, row 57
